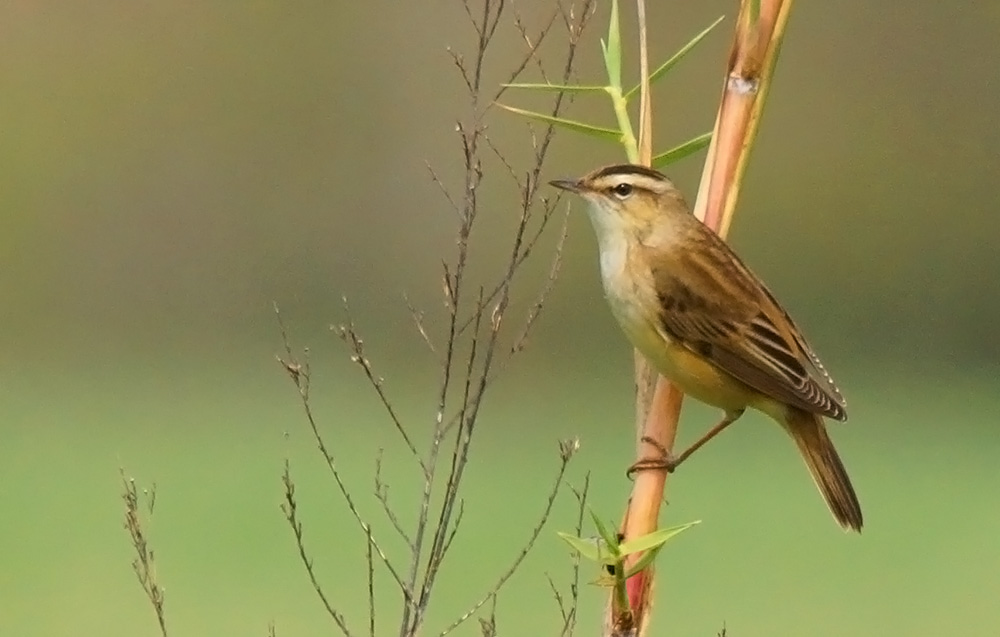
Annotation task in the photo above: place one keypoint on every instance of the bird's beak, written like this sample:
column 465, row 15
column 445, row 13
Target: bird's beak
column 572, row 185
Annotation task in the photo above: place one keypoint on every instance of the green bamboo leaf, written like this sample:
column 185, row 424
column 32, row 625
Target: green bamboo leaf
column 681, row 151
column 580, row 127
column 676, row 57
column 653, row 540
column 610, row 539
column 644, row 561
column 589, row 549
column 613, row 49
column 558, row 87
column 754, row 12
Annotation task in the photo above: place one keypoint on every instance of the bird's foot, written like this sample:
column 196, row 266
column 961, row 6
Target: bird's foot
column 664, row 461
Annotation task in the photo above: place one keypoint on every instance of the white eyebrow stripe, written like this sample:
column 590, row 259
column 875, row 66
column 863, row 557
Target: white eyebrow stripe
column 638, row 180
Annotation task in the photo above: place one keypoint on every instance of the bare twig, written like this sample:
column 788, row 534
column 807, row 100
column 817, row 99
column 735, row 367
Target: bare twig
column 290, row 508
column 488, row 625
column 521, row 340
column 467, row 346
column 300, row 375
column 371, row 585
column 566, row 451
column 454, row 528
column 568, row 605
column 569, row 623
column 382, row 495
column 480, row 358
column 444, row 190
column 418, row 320
column 532, row 45
column 349, row 334
column 144, row 564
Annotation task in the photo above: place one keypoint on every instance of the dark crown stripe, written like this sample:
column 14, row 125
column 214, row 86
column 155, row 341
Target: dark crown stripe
column 629, row 169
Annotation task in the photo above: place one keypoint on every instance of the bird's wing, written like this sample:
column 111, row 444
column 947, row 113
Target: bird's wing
column 712, row 304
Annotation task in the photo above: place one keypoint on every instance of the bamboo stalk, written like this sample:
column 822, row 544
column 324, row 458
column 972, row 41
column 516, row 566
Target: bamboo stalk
column 760, row 28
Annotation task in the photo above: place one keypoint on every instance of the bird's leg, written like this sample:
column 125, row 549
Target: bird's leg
column 668, row 460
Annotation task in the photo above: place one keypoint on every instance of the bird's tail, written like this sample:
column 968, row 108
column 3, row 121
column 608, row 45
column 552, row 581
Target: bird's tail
column 824, row 464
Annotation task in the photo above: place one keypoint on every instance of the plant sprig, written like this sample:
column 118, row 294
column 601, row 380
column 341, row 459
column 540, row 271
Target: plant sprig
column 611, row 49
column 610, row 552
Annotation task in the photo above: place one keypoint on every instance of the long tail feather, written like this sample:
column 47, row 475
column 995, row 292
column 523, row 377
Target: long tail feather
column 824, row 464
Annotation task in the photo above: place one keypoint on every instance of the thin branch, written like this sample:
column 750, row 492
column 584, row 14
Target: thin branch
column 418, row 320
column 459, row 456
column 556, row 595
column 566, row 451
column 528, row 248
column 532, row 50
column 488, row 625
column 290, row 509
column 144, row 564
column 382, row 495
column 468, row 359
column 454, row 528
column 575, row 31
column 300, row 375
column 444, row 190
column 521, row 340
column 581, row 497
column 503, row 161
column 371, row 585
column 348, row 333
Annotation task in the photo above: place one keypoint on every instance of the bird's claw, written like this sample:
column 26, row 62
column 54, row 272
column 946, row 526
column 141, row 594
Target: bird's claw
column 665, row 461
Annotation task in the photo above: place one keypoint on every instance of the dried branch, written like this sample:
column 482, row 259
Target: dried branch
column 570, row 611
column 467, row 345
column 418, row 320
column 371, row 585
column 454, row 528
column 536, row 309
column 348, row 333
column 290, row 508
column 300, row 375
column 532, row 46
column 566, row 451
column 488, row 625
column 480, row 357
column 382, row 495
column 144, row 564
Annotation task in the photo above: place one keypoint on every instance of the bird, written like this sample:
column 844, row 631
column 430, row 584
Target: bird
column 708, row 324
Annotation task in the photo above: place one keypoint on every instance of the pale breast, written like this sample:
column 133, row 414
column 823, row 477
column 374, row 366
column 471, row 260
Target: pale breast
column 628, row 286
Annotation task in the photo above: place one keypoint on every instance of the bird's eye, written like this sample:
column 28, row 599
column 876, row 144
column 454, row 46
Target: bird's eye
column 622, row 190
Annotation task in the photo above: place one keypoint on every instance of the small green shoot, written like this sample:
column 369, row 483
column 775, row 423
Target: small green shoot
column 624, row 134
column 608, row 552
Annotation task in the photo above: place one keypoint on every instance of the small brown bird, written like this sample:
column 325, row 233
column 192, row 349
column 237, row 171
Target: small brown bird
column 707, row 323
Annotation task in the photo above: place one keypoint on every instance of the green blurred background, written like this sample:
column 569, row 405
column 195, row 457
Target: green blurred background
column 169, row 169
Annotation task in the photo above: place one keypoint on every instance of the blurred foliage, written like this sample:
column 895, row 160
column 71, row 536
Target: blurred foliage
column 167, row 170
